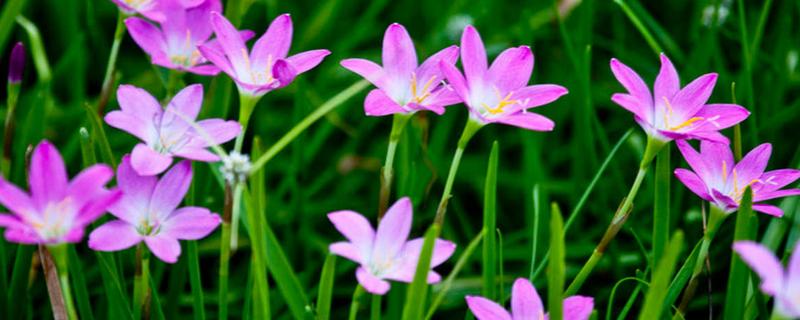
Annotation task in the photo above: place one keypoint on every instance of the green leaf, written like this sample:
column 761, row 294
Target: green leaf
column 418, row 289
column 444, row 287
column 285, row 277
column 654, row 300
column 557, row 265
column 10, row 12
column 739, row 275
column 79, row 281
column 661, row 218
column 99, row 136
column 325, row 294
column 489, row 225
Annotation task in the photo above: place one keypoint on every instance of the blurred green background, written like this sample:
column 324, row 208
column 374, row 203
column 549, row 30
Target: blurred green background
column 335, row 164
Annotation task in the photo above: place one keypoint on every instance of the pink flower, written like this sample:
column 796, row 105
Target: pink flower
column 150, row 8
column 386, row 254
column 721, row 181
column 148, row 211
column 174, row 44
column 403, row 86
column 267, row 66
column 675, row 113
column 500, row 93
column 56, row 210
column 526, row 304
column 164, row 132
column 783, row 285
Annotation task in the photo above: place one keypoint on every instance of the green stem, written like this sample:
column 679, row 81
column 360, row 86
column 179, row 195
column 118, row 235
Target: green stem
column 661, row 208
column 375, row 311
column 355, row 304
column 8, row 128
column 105, row 91
column 246, row 105
column 399, row 122
column 469, row 130
column 225, row 253
column 195, row 281
column 59, row 253
column 141, row 284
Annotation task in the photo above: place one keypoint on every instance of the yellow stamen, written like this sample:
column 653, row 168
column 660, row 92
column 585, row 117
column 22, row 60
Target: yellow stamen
column 504, row 102
column 686, row 123
column 724, row 172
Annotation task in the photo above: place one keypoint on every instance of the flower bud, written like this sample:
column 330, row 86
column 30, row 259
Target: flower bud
column 16, row 64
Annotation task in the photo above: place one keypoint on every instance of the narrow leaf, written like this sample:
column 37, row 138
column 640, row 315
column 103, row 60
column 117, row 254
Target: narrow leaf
column 556, row 266
column 654, row 300
column 489, row 225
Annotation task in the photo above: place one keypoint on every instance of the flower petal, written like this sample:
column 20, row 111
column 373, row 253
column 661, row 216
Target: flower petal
column 171, row 189
column 693, row 182
column 371, row 283
column 149, row 38
column 355, row 228
column 367, row 69
column 24, row 235
column 752, row 165
column 15, row 199
column 148, row 162
column 455, row 79
column 274, row 44
column 190, row 223
column 430, row 67
column 164, row 247
column 232, row 44
column 768, row 209
column 632, row 82
column 632, row 104
column 776, row 179
column 393, row 231
column 667, row 82
column 578, row 308
column 283, row 72
column 538, row 95
column 305, row 61
column 399, row 57
column 473, row 57
column 138, row 103
column 220, row 130
column 512, row 69
column 485, row 309
column 379, row 104
column 696, row 161
column 130, row 124
column 187, row 102
column 764, row 263
column 689, row 100
column 720, row 116
column 197, row 154
column 716, row 156
column 347, row 250
column 528, row 120
column 525, row 301
column 48, row 176
column 764, row 196
column 114, row 236
column 96, row 207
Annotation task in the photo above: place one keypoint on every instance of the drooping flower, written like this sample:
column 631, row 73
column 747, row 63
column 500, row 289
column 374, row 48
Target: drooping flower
column 500, row 92
column 267, row 66
column 671, row 112
column 174, row 44
column 718, row 179
column 148, row 211
column 16, row 64
column 403, row 86
column 783, row 285
column 165, row 133
column 526, row 304
column 385, row 254
column 57, row 210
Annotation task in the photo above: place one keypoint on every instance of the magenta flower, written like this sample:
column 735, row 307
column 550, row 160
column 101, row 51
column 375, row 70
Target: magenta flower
column 174, row 44
column 16, row 64
column 267, row 66
column 148, row 211
column 675, row 113
column 526, row 304
column 56, row 210
column 386, row 254
column 500, row 93
column 164, row 132
column 721, row 181
column 783, row 285
column 404, row 87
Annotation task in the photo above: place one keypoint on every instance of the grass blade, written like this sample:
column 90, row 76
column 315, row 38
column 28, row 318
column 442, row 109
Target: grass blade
column 557, row 265
column 448, row 282
column 739, row 275
column 326, row 288
column 10, row 12
column 79, row 281
column 285, row 277
column 661, row 218
column 418, row 289
column 653, row 302
column 18, row 288
column 489, row 225
column 198, row 301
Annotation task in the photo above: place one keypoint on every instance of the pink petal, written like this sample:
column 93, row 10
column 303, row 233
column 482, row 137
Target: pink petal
column 720, row 116
column 371, row 283
column 97, row 206
column 164, row 247
column 15, row 199
column 190, row 223
column 578, row 308
column 283, row 72
column 528, row 120
column 716, row 156
column 399, row 56
column 768, row 209
column 485, row 309
column 430, row 67
column 231, row 42
column 713, row 136
column 764, row 263
column 305, row 61
column 793, row 273
column 148, row 37
column 187, row 102
column 148, row 162
column 379, row 104
column 197, row 154
column 539, row 95
column 130, row 124
column 443, row 96
column 355, row 228
column 473, row 57
column 632, row 104
column 171, row 189
column 442, row 250
column 220, row 130
column 204, row 70
column 48, row 176
column 667, row 82
column 114, row 236
column 776, row 179
column 525, row 301
column 24, row 235
column 138, row 103
column 455, row 79
column 393, row 231
column 693, row 182
column 347, row 250
column 11, row 221
column 763, row 196
column 688, row 101
column 752, row 165
column 135, row 186
column 274, row 44
column 632, row 82
column 214, row 53
column 90, row 180
column 697, row 162
column 366, row 69
column 512, row 69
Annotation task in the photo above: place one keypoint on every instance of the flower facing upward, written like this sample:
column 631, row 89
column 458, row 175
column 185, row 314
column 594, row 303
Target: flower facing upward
column 385, row 254
column 174, row 44
column 403, row 86
column 148, row 211
column 783, row 285
column 721, row 181
column 500, row 92
column 56, row 210
column 675, row 113
column 526, row 305
column 164, row 132
column 267, row 66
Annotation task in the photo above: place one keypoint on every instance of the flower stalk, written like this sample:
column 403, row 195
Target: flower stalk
column 225, row 253
column 469, row 130
column 57, row 254
column 141, row 284
column 108, row 79
column 387, row 173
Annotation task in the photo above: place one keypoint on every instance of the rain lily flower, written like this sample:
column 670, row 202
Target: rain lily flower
column 386, row 254
column 718, row 179
column 164, row 132
column 403, row 86
column 148, row 211
column 16, row 64
column 526, row 304
column 500, row 92
column 174, row 44
column 671, row 112
column 267, row 66
column 57, row 210
column 783, row 285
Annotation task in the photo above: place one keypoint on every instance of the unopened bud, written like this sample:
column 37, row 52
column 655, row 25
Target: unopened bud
column 16, row 64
